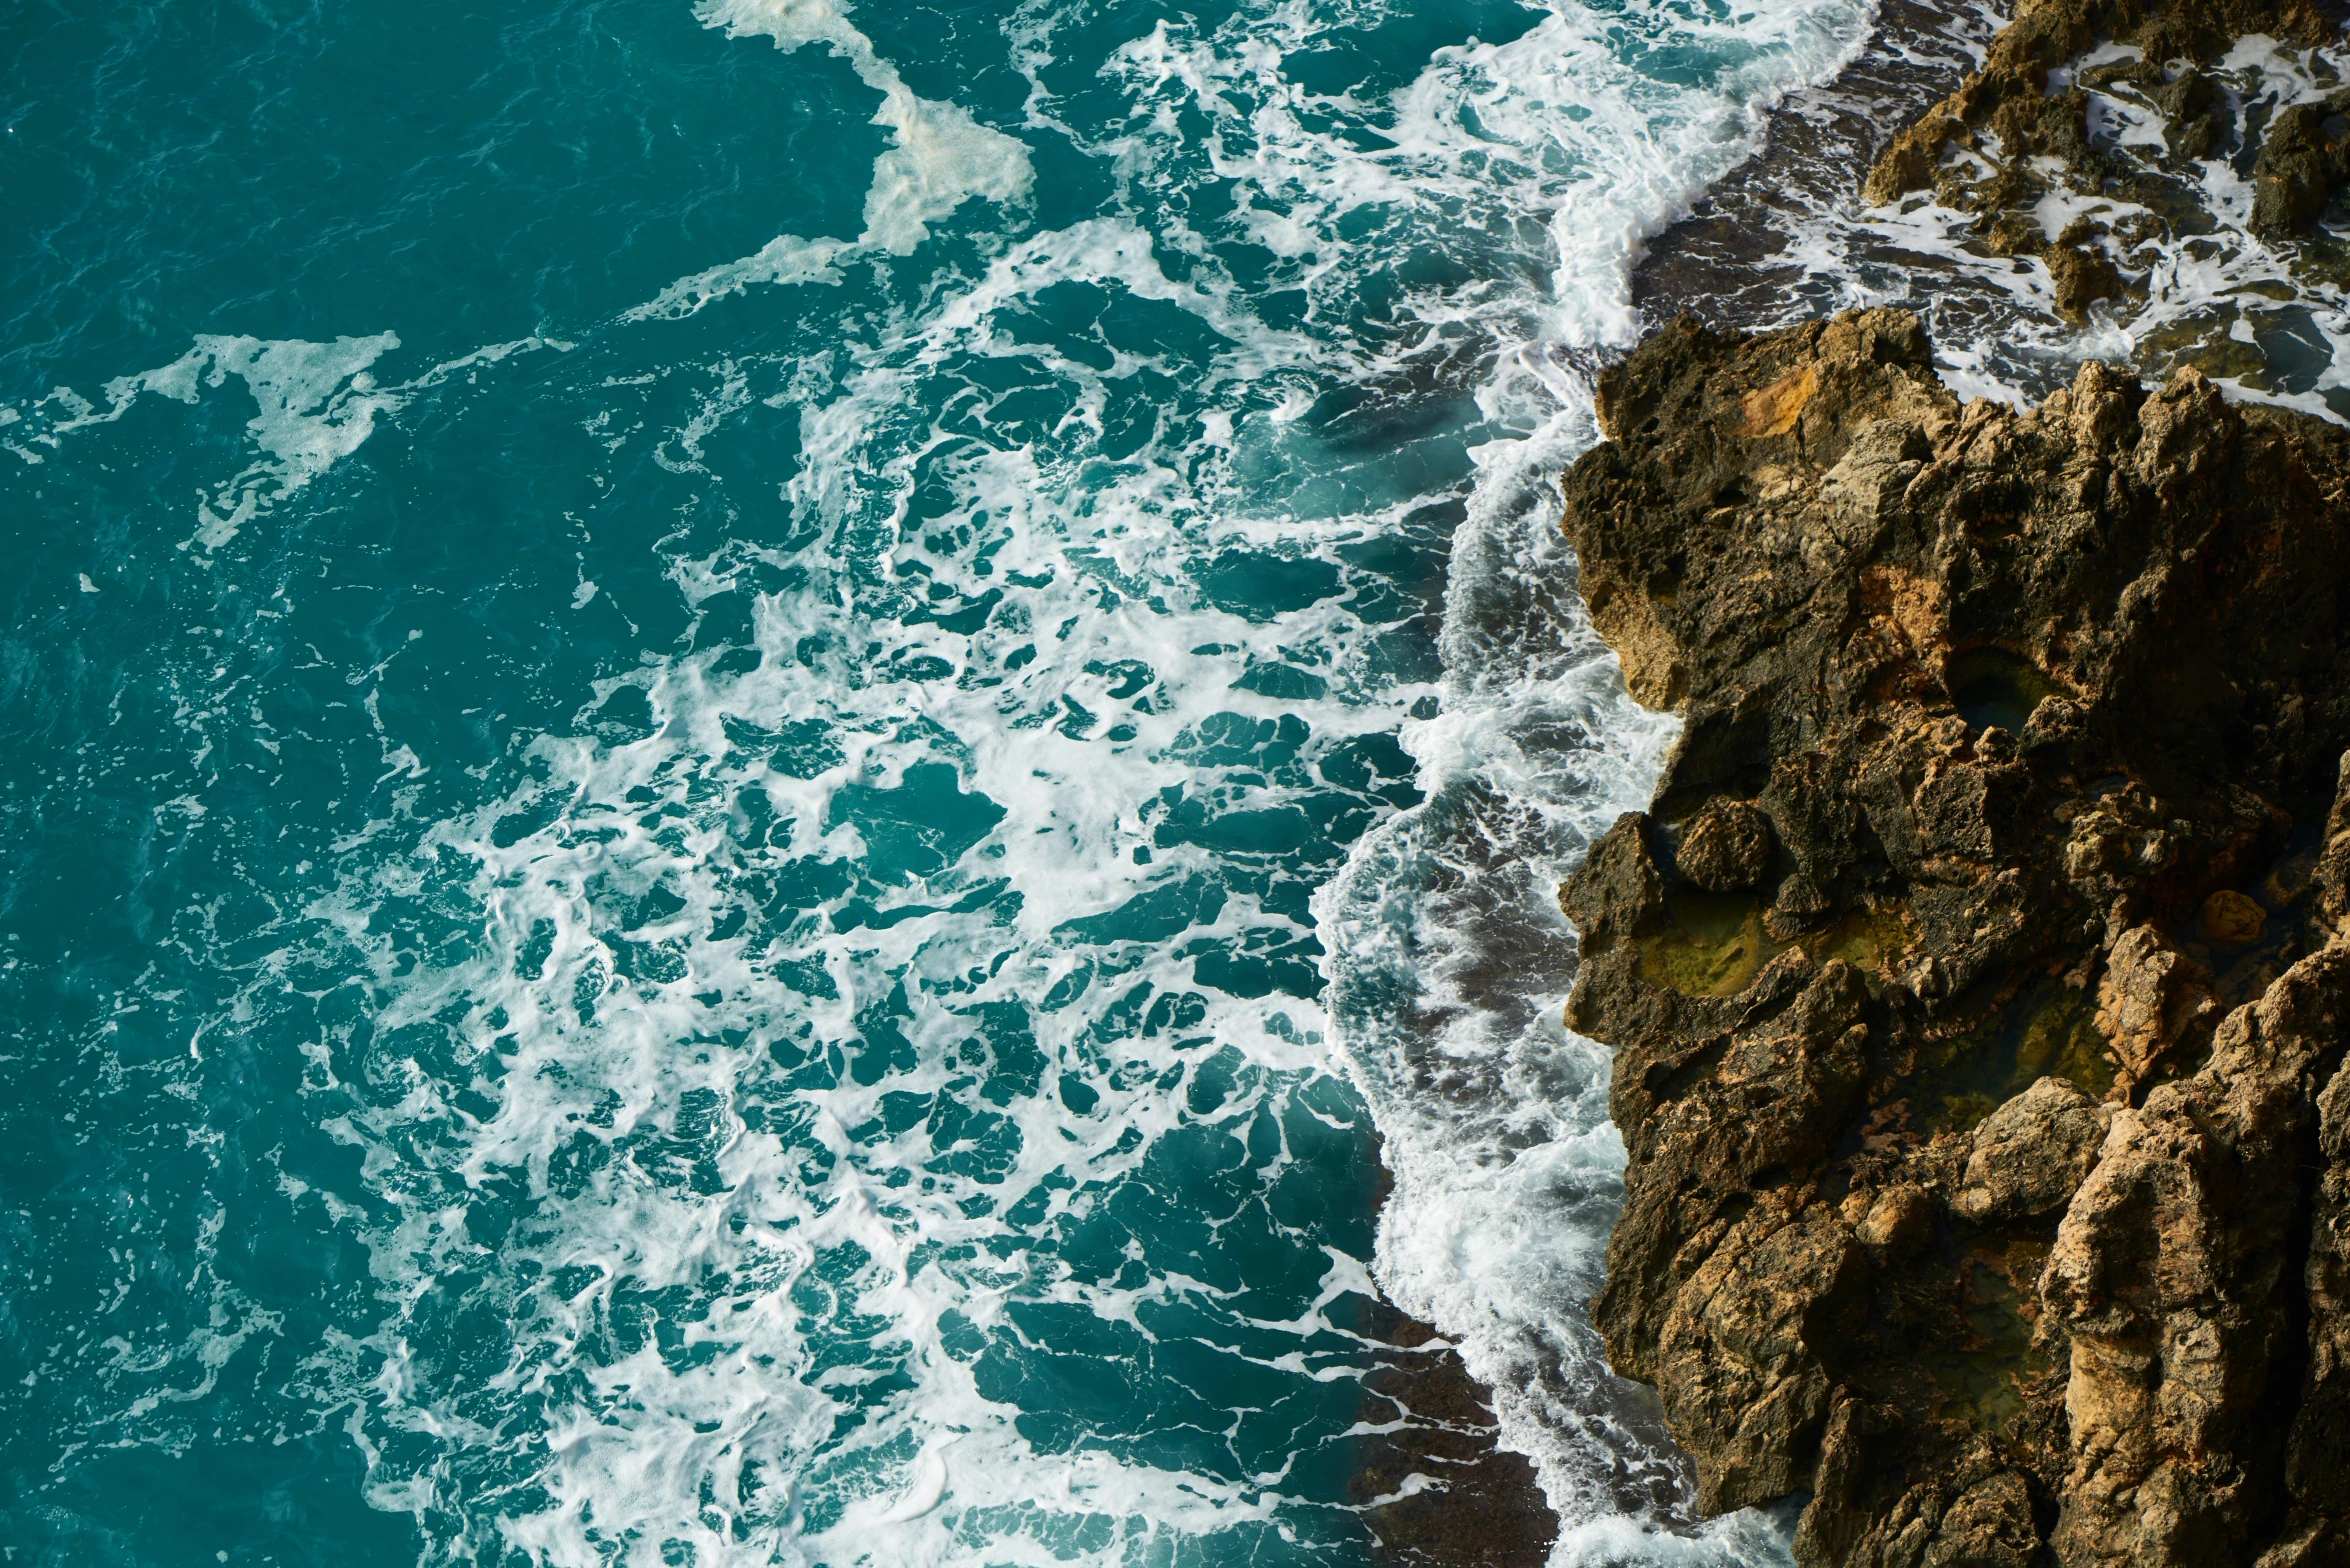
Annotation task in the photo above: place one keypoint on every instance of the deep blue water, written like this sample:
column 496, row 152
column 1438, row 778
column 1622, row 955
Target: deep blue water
column 745, row 752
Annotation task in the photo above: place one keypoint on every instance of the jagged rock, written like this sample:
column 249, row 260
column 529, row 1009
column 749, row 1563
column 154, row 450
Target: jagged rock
column 1739, row 1355
column 2318, row 1453
column 2154, row 1005
column 1726, row 848
column 2171, row 1278
column 2195, row 118
column 2297, row 169
column 1893, row 1221
column 2026, row 138
column 2009, row 96
column 2332, row 876
column 1965, row 1189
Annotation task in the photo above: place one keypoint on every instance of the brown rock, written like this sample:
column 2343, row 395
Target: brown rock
column 1896, row 1220
column 2031, row 1154
column 2015, row 140
column 2082, row 276
column 1774, row 410
column 1739, row 1356
column 2009, row 96
column 2170, row 1277
column 1990, row 1526
column 2154, row 1003
column 1937, row 648
column 2229, row 919
column 2194, row 116
column 2317, row 1462
column 1726, row 848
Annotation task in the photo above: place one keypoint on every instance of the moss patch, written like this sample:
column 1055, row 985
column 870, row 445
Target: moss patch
column 1714, row 944
column 1869, row 939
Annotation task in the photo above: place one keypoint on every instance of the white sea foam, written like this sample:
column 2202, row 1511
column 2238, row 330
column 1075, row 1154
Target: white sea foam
column 1449, row 956
column 740, row 1184
column 1450, row 962
column 1504, row 1177
column 2218, row 297
column 943, row 156
column 650, row 1450
column 785, row 259
column 749, row 1429
column 315, row 404
column 763, row 1152
column 1448, row 952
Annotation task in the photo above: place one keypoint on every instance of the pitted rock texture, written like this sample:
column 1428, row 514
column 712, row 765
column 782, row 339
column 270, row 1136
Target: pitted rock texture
column 2031, row 1155
column 1974, row 1188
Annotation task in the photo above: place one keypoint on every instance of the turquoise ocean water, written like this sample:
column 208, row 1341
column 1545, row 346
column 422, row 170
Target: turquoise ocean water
column 750, row 756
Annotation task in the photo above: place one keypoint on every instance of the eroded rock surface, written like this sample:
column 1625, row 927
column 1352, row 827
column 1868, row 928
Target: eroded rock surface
column 1989, row 1171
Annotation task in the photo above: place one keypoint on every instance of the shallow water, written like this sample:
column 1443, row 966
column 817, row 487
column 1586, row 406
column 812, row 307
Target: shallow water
column 752, row 754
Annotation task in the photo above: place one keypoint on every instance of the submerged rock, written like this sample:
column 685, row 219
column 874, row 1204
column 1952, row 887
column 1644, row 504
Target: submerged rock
column 1980, row 1038
column 2231, row 919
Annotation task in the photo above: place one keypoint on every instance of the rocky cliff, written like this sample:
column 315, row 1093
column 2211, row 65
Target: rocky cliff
column 1980, row 977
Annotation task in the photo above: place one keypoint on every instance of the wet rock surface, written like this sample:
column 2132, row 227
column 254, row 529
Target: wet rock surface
column 1433, row 1482
column 2020, row 106
column 1740, row 256
column 2172, row 179
column 1979, row 977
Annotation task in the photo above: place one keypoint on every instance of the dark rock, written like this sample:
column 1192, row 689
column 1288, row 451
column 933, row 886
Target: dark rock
column 2230, row 919
column 1960, row 1193
column 2195, row 118
column 2009, row 96
column 1429, row 1476
column 2082, row 276
column 2297, row 170
column 2318, row 1453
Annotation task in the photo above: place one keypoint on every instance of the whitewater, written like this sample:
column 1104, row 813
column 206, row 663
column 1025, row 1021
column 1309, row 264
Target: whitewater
column 784, row 781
